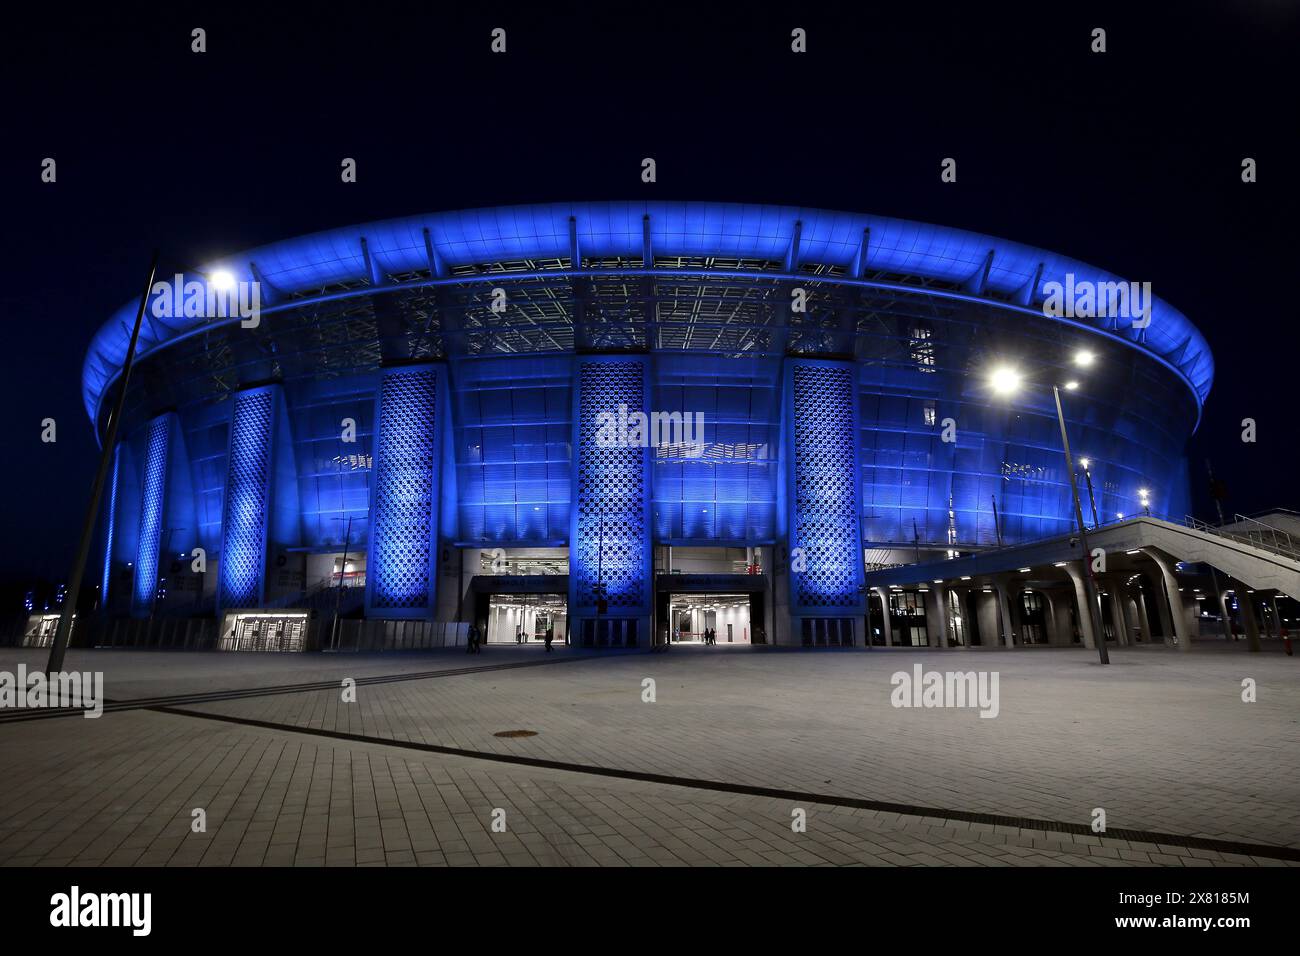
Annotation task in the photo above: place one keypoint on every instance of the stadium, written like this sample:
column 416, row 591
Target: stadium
column 621, row 423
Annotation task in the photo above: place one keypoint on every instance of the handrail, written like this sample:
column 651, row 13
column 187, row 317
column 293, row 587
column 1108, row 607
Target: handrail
column 1274, row 541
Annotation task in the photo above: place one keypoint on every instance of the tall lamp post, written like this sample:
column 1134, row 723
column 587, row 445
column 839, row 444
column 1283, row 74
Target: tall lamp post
column 1092, row 501
column 1006, row 381
column 338, row 596
column 59, row 646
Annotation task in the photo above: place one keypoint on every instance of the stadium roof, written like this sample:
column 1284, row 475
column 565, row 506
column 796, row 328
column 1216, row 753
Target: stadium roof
column 610, row 237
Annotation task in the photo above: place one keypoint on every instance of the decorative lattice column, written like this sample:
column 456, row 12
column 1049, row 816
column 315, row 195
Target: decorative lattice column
column 246, row 511
column 401, row 565
column 610, row 542
column 824, row 529
column 153, row 510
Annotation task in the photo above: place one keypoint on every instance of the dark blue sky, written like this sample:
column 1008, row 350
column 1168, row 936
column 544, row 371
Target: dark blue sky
column 1129, row 160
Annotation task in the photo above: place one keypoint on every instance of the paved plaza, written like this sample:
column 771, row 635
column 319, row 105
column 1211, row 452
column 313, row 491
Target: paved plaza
column 712, row 771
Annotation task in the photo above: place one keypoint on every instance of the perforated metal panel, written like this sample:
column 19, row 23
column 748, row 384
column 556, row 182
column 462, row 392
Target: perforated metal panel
column 611, row 535
column 824, row 498
column 152, row 496
column 243, row 531
column 402, row 529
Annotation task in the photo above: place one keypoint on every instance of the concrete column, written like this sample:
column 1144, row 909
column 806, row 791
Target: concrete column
column 1173, row 598
column 1266, row 619
column 1062, row 635
column 886, row 626
column 1120, row 618
column 936, row 615
column 986, row 604
column 1192, row 611
column 1162, row 608
column 961, row 614
column 941, row 623
column 1143, row 619
column 1081, row 605
column 1006, row 622
column 1246, row 603
column 1057, row 632
column 1224, row 616
column 1050, row 622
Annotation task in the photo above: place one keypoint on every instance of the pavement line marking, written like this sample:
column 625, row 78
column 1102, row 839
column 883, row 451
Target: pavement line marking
column 1268, row 851
column 216, row 696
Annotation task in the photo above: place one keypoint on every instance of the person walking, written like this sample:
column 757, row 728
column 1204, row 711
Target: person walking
column 471, row 639
column 550, row 636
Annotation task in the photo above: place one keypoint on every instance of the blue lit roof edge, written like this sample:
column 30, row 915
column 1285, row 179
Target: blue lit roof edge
column 676, row 229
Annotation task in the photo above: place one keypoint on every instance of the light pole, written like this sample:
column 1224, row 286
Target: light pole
column 338, row 596
column 1092, row 502
column 1006, row 380
column 59, row 645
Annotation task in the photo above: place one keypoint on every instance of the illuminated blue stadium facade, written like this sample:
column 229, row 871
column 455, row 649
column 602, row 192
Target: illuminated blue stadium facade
column 418, row 411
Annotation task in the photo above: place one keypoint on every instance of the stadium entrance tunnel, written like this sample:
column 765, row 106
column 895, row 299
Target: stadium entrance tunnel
column 728, row 617
column 526, row 618
column 733, row 606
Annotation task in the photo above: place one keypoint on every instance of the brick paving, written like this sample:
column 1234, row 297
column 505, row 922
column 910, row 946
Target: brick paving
column 1160, row 740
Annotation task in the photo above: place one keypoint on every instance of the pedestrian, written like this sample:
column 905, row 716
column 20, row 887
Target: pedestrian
column 550, row 636
column 471, row 639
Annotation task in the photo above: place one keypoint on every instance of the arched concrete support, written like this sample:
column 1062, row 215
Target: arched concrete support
column 1081, row 605
column 1173, row 599
column 1006, row 621
column 883, row 594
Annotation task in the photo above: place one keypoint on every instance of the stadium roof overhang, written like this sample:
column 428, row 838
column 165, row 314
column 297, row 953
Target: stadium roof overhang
column 639, row 239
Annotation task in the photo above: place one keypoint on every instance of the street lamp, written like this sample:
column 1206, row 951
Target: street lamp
column 1006, row 380
column 1092, row 501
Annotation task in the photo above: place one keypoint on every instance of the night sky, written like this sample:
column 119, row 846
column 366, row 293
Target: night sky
column 1129, row 160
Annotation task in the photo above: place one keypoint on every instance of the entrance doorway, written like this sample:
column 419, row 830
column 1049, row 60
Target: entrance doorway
column 727, row 616
column 526, row 618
